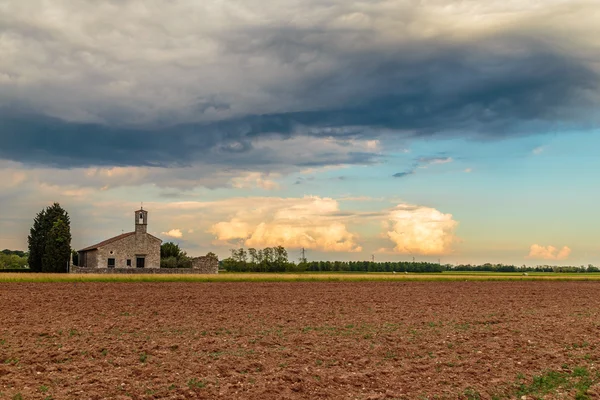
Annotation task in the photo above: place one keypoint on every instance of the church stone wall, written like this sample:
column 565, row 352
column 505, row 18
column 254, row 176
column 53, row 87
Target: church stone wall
column 200, row 265
column 127, row 248
column 81, row 270
column 89, row 259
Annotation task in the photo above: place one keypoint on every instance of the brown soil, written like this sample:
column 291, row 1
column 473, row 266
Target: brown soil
column 291, row 340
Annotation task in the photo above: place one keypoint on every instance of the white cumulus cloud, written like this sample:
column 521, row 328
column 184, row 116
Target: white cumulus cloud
column 311, row 222
column 538, row 252
column 420, row 230
column 175, row 233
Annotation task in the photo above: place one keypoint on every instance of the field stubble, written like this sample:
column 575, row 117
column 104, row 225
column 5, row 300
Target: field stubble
column 291, row 340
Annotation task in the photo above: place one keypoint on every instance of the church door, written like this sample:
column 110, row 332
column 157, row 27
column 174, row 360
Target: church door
column 140, row 262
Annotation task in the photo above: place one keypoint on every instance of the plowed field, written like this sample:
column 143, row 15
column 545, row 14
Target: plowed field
column 299, row 340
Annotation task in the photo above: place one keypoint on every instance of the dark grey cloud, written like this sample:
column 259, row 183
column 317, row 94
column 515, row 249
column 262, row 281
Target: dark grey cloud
column 317, row 81
column 423, row 162
column 50, row 141
column 434, row 160
column 404, row 174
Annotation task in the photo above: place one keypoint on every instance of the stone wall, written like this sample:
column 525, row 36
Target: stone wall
column 81, row 270
column 127, row 248
column 88, row 258
column 208, row 265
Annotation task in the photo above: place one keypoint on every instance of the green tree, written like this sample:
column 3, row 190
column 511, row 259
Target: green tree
column 37, row 241
column 170, row 249
column 40, row 240
column 268, row 255
column 171, row 256
column 57, row 252
column 253, row 255
column 231, row 265
column 13, row 260
column 240, row 255
column 281, row 255
column 14, row 252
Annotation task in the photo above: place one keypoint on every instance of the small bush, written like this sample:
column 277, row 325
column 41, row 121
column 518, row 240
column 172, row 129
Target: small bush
column 168, row 262
column 184, row 262
column 174, row 262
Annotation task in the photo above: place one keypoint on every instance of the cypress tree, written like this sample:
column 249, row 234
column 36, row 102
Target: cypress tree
column 58, row 248
column 48, row 237
column 37, row 242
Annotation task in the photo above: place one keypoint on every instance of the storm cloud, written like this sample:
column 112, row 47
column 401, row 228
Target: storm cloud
column 179, row 84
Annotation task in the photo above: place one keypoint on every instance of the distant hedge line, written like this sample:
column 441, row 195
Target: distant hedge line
column 331, row 266
column 402, row 266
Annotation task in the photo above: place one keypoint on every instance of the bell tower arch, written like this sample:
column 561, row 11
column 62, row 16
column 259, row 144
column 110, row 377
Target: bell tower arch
column 141, row 221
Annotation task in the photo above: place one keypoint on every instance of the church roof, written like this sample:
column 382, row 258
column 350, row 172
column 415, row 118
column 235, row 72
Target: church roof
column 108, row 241
column 114, row 239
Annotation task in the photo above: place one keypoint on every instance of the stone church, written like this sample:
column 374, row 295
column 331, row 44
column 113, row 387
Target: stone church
column 137, row 249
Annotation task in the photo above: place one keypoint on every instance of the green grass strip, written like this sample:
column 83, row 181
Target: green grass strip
column 287, row 277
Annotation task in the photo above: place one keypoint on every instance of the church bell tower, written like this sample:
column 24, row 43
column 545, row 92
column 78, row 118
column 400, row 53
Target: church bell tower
column 141, row 221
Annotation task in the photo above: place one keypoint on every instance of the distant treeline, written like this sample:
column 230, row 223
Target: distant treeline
column 269, row 259
column 275, row 259
column 329, row 266
column 370, row 266
column 13, row 259
column 513, row 268
column 14, row 252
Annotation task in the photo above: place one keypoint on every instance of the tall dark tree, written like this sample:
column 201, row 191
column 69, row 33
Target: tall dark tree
column 37, row 242
column 58, row 248
column 47, row 236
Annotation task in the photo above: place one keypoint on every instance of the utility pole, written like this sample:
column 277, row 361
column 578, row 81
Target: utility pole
column 303, row 256
column 372, row 258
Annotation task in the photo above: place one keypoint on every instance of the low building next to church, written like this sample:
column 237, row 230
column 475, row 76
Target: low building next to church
column 137, row 249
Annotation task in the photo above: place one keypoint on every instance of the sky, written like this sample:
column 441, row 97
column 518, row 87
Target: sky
column 457, row 131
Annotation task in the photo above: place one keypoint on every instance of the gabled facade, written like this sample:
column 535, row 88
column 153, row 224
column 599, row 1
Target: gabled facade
column 137, row 249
